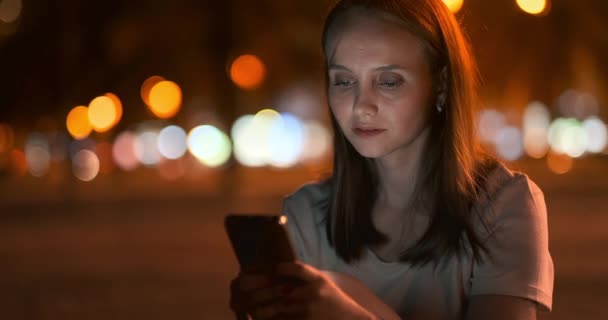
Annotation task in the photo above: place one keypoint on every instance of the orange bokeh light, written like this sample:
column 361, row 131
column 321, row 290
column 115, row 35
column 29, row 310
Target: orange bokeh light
column 78, row 124
column 165, row 99
column 247, row 72
column 534, row 7
column 147, row 86
column 102, row 113
column 453, row 5
column 559, row 163
column 117, row 107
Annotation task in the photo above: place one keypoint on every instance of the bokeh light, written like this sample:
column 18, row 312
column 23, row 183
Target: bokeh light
column 279, row 140
column 209, row 145
column 509, row 143
column 251, row 135
column 580, row 105
column 78, row 124
column 261, row 129
column 10, row 10
column 286, row 140
column 146, row 148
column 596, row 133
column 37, row 154
column 165, row 99
column 117, row 107
column 490, row 123
column 172, row 142
column 586, row 106
column 76, row 145
column 535, row 142
column 559, row 163
column 453, row 5
column 123, row 151
column 85, row 165
column 246, row 151
column 317, row 142
column 534, row 7
column 147, row 86
column 247, row 72
column 567, row 136
column 102, row 113
column 536, row 126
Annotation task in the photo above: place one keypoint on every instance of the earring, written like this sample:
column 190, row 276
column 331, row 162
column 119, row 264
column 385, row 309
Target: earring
column 439, row 107
column 440, row 102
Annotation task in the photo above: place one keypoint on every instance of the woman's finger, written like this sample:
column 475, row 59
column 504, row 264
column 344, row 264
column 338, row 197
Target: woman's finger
column 268, row 311
column 241, row 289
column 295, row 310
column 300, row 295
column 250, row 282
column 266, row 295
column 298, row 270
column 236, row 296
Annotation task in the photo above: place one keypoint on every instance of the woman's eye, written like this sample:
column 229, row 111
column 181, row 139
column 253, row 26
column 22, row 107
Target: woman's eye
column 343, row 83
column 391, row 83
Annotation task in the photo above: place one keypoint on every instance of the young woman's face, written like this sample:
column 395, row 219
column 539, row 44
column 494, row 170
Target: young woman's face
column 380, row 86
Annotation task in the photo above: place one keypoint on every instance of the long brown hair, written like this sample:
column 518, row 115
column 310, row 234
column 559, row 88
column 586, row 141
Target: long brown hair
column 453, row 172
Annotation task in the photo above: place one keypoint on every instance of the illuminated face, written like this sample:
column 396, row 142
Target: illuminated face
column 380, row 86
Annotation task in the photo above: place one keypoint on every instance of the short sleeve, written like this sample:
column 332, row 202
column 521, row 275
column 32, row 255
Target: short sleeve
column 519, row 263
column 302, row 211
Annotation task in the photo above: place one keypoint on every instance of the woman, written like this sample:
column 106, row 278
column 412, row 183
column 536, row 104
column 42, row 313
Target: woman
column 415, row 223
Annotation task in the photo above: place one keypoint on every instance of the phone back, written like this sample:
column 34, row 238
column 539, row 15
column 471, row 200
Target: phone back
column 259, row 241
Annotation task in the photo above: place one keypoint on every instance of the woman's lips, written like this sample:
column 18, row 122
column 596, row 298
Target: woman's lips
column 365, row 133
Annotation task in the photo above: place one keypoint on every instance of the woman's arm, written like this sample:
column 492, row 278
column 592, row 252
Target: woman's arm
column 362, row 295
column 499, row 307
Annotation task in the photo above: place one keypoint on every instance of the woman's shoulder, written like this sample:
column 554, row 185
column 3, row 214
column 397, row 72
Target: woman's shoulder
column 311, row 192
column 509, row 194
column 502, row 178
column 312, row 197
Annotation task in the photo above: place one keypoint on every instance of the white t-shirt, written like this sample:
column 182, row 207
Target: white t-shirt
column 517, row 239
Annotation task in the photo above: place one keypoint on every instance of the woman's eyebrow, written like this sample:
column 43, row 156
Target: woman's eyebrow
column 390, row 67
column 381, row 68
column 338, row 67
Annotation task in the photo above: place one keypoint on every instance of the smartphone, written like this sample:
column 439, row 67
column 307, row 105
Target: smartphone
column 259, row 241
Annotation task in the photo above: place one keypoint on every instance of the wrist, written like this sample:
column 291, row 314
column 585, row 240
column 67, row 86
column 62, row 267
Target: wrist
column 372, row 316
column 367, row 315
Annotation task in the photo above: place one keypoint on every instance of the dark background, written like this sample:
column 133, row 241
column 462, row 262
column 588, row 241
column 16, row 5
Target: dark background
column 132, row 245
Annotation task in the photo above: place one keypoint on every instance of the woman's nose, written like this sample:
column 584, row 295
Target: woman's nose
column 365, row 104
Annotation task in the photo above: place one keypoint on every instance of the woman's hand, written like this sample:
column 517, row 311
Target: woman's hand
column 315, row 297
column 249, row 291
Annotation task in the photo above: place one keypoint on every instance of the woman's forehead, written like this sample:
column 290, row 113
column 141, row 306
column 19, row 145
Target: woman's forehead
column 370, row 37
column 359, row 15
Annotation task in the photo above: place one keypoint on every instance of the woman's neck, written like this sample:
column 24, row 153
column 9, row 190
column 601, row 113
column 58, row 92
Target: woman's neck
column 398, row 173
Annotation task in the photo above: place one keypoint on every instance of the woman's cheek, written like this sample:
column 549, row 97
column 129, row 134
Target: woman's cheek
column 340, row 114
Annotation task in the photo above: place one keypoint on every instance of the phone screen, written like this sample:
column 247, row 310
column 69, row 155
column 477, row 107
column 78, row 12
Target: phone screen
column 259, row 241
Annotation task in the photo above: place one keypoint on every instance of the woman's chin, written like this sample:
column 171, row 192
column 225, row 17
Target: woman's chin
column 371, row 153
